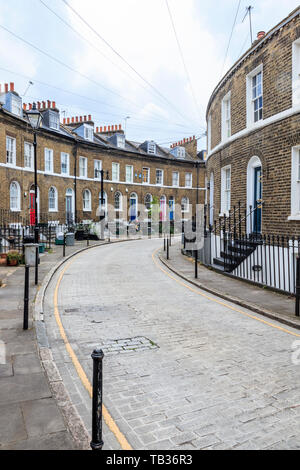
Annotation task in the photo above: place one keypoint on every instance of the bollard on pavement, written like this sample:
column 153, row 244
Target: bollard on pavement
column 196, row 263
column 97, row 442
column 64, row 246
column 26, row 298
column 164, row 243
column 297, row 310
column 167, row 248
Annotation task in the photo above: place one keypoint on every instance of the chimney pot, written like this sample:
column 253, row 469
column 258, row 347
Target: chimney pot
column 194, row 137
column 44, row 104
column 261, row 34
column 24, row 106
column 48, row 103
column 53, row 104
column 76, row 118
column 100, row 128
column 84, row 118
column 68, row 120
column 30, row 106
column 104, row 128
column 80, row 118
column 38, row 105
column 90, row 117
column 6, row 87
column 73, row 119
column 12, row 86
column 64, row 120
column 108, row 128
column 120, row 127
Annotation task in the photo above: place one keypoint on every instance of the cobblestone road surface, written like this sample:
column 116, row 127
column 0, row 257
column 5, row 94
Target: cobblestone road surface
column 180, row 371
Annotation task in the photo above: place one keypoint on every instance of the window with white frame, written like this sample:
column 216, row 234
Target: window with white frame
column 28, row 155
column 16, row 106
column 52, row 199
column 121, row 141
column 83, row 167
column 97, row 169
column 115, row 171
column 118, row 201
column 54, row 120
column 296, row 72
column 129, row 173
column 185, row 204
column 151, row 148
column 10, row 151
column 188, row 180
column 15, row 196
column 226, row 116
column 255, row 95
column 48, row 160
column 159, row 177
column 175, row 178
column 295, row 183
column 88, row 133
column 87, row 200
column 209, row 133
column 225, row 189
column 146, row 175
column 65, row 165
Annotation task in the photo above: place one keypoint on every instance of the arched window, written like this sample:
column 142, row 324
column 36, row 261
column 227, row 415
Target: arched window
column 148, row 201
column 52, row 199
column 15, row 200
column 163, row 208
column 118, row 201
column 185, row 204
column 133, row 201
column 87, row 200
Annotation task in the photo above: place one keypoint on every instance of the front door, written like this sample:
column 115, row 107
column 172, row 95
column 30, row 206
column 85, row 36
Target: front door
column 69, row 211
column 32, row 209
column 257, row 200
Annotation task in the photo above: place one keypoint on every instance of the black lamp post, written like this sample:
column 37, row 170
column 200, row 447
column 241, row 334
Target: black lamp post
column 35, row 118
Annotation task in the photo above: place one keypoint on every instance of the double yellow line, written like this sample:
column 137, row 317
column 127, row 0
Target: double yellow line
column 82, row 375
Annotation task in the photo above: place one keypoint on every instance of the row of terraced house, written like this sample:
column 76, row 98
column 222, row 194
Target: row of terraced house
column 72, row 152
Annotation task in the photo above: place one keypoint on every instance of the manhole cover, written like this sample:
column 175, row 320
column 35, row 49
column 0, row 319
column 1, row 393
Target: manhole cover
column 127, row 345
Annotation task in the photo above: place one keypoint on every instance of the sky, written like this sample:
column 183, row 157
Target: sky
column 153, row 61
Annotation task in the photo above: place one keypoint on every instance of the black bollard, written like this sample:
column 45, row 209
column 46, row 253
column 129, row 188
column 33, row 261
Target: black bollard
column 196, row 264
column 164, row 243
column 167, row 248
column 97, row 442
column 297, row 310
column 26, row 298
column 64, row 246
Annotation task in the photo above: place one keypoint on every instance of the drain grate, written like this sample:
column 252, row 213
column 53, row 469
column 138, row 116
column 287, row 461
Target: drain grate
column 127, row 345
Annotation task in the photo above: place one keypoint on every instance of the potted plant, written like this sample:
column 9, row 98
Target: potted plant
column 13, row 258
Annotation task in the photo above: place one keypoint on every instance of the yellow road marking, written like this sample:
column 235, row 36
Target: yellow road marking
column 82, row 375
column 220, row 302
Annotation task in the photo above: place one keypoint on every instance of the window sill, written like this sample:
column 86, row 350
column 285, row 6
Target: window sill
column 15, row 210
column 294, row 217
column 52, row 210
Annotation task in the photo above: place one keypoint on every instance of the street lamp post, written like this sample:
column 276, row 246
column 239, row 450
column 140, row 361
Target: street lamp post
column 34, row 117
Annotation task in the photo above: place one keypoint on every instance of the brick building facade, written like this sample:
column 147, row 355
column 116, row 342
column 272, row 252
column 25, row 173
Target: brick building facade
column 70, row 156
column 253, row 121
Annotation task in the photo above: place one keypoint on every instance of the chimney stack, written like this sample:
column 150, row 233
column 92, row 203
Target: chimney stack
column 261, row 34
column 12, row 86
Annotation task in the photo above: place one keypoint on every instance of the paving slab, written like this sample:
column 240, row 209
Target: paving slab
column 12, row 426
column 42, row 417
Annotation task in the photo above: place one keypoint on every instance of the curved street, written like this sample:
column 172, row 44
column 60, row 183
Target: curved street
column 181, row 371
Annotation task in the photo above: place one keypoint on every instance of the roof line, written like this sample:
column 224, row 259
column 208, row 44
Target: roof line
column 254, row 46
